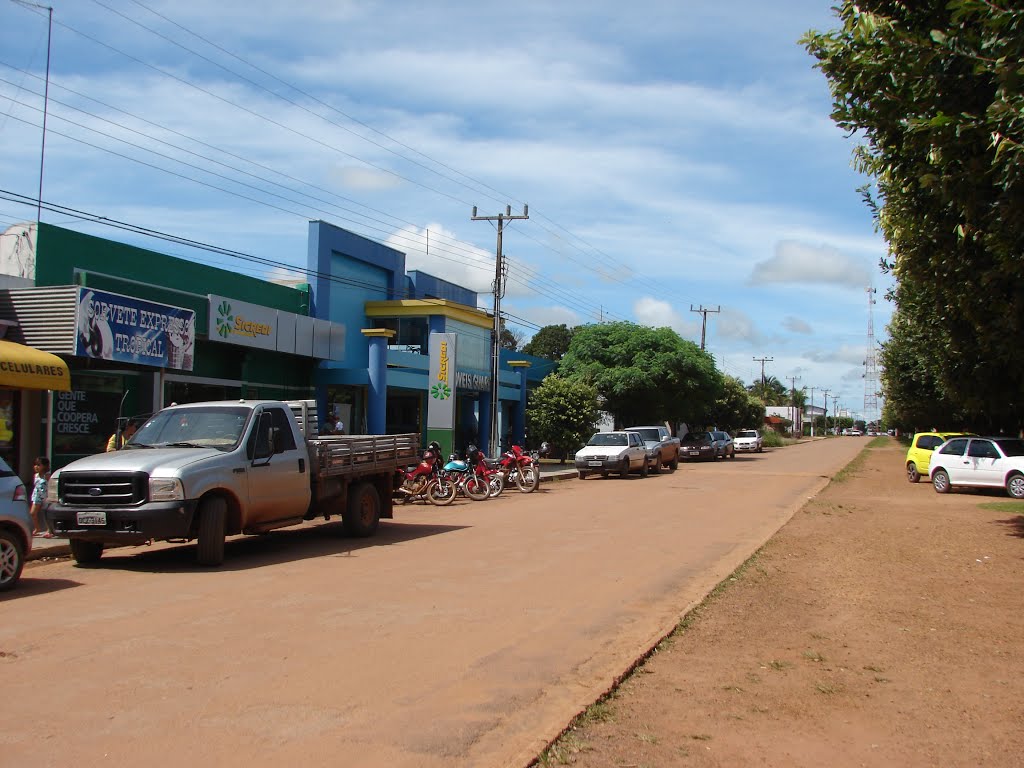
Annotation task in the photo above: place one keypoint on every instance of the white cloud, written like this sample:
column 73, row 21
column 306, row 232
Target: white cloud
column 796, row 262
column 661, row 314
column 364, row 178
column 737, row 325
column 796, row 325
column 845, row 353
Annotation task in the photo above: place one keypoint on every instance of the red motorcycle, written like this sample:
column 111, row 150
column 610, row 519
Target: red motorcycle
column 424, row 481
column 521, row 468
column 487, row 470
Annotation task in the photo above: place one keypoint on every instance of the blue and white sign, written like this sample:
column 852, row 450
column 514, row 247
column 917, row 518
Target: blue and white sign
column 110, row 326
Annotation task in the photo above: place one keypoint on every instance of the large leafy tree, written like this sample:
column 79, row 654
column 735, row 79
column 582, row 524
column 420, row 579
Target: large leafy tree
column 563, row 413
column 934, row 90
column 551, row 341
column 770, row 391
column 643, row 375
column 736, row 408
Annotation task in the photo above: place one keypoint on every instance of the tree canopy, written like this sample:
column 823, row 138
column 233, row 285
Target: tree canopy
column 551, row 342
column 934, row 90
column 736, row 408
column 643, row 375
column 562, row 412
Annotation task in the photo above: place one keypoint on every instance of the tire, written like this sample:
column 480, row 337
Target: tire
column 732, row 453
column 497, row 484
column 1015, row 485
column 362, row 516
column 940, row 481
column 12, row 560
column 674, row 464
column 86, row 552
column 527, row 479
column 213, row 516
column 656, row 467
column 624, row 472
column 645, row 470
column 604, row 473
column 476, row 489
column 912, row 474
column 760, row 449
column 441, row 492
column 581, row 474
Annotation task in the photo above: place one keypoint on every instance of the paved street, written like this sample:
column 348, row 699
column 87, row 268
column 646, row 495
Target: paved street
column 467, row 635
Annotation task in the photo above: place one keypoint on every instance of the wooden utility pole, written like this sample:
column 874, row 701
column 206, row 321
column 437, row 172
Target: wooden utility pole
column 762, row 361
column 704, row 320
column 499, row 268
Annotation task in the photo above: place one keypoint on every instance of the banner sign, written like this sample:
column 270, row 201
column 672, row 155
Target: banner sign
column 242, row 323
column 479, row 382
column 441, row 382
column 130, row 330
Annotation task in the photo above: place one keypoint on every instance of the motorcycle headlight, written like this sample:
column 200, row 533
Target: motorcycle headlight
column 165, row 489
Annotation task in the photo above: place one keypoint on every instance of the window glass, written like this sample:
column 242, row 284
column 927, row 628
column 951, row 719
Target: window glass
column 1011, row 446
column 982, row 449
column 929, row 442
column 954, row 447
column 283, row 425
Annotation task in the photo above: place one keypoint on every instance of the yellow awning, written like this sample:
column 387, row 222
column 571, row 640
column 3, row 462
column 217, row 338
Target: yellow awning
column 23, row 367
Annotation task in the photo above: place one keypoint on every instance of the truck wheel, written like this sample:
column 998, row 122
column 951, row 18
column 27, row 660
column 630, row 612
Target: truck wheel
column 581, row 474
column 674, row 464
column 86, row 552
column 645, row 470
column 363, row 513
column 213, row 515
column 624, row 472
column 12, row 560
column 656, row 466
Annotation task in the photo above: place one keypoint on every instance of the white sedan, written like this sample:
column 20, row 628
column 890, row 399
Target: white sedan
column 606, row 452
column 979, row 462
column 748, row 440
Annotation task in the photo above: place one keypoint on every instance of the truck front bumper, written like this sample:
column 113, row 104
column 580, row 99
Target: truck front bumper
column 130, row 525
column 599, row 463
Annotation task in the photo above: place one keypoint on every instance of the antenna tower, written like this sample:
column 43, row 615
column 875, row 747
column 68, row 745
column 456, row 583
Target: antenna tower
column 871, row 415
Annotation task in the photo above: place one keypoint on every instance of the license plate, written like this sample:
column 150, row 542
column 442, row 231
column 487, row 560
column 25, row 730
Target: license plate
column 593, row 463
column 91, row 518
column 695, row 453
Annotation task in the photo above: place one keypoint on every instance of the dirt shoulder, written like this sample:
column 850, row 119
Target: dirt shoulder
column 882, row 626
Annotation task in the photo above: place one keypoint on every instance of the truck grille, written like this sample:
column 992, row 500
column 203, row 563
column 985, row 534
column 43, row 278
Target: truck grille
column 121, row 489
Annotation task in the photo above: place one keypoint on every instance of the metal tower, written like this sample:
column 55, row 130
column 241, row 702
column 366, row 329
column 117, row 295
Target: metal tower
column 871, row 383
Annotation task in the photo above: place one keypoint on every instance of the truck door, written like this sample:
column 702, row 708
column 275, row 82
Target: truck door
column 279, row 482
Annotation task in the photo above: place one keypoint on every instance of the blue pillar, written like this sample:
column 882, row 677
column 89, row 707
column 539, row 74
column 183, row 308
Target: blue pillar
column 377, row 368
column 519, row 427
column 485, row 420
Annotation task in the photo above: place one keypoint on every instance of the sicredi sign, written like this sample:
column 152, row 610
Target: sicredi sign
column 242, row 323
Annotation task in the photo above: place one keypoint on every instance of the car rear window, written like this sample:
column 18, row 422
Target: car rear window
column 746, row 433
column 1012, row 446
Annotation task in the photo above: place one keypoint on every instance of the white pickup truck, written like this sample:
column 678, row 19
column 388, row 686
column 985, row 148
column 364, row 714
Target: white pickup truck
column 205, row 471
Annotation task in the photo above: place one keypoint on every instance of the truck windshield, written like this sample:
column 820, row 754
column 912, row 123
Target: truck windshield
column 218, row 427
column 648, row 434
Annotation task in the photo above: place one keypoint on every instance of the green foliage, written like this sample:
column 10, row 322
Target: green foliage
column 643, row 375
column 771, row 439
column 562, row 412
column 735, row 408
column 934, row 89
column 771, row 391
column 551, row 342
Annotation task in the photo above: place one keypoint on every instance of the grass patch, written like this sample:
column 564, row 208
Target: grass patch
column 854, row 466
column 701, row 737
column 561, row 753
column 647, row 738
column 778, row 666
column 827, row 689
column 1013, row 507
column 882, row 441
column 873, row 668
column 813, row 656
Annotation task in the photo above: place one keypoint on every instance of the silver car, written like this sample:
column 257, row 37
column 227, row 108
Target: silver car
column 15, row 527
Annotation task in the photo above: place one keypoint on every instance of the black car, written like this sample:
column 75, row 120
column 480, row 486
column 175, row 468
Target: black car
column 698, row 446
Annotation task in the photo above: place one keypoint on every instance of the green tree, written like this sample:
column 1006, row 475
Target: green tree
column 643, row 375
column 736, row 408
column 770, row 391
column 562, row 412
column 551, row 342
column 934, row 90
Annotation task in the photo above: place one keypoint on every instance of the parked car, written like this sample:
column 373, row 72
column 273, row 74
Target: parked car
column 15, row 527
column 606, row 452
column 748, row 440
column 723, row 445
column 919, row 455
column 662, row 447
column 698, row 446
column 979, row 462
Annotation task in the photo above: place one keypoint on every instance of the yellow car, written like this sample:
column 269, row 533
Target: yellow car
column 919, row 455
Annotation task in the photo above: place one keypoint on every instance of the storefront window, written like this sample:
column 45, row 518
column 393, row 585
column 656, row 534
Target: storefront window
column 86, row 416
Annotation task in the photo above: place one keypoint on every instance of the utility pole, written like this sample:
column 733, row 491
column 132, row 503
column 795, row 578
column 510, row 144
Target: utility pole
column 792, row 402
column 499, row 284
column 826, row 393
column 812, row 410
column 762, row 361
column 704, row 320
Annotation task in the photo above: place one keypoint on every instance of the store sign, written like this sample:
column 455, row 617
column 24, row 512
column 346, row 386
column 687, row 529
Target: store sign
column 111, row 326
column 478, row 382
column 441, row 383
column 242, row 323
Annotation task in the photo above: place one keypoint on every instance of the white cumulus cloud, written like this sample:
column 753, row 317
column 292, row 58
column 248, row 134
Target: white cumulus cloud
column 796, row 262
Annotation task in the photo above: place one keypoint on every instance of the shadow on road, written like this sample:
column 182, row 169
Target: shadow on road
column 29, row 586
column 280, row 546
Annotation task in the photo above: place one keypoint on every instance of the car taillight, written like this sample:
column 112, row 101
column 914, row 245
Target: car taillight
column 20, row 494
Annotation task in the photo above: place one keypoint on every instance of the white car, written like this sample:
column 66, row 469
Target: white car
column 979, row 462
column 15, row 527
column 748, row 440
column 621, row 452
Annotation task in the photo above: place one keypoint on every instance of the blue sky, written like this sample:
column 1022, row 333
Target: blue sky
column 673, row 154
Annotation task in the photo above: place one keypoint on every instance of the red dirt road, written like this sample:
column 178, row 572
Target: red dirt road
column 468, row 635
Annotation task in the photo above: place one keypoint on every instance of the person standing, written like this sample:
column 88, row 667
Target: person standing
column 117, row 439
column 42, row 476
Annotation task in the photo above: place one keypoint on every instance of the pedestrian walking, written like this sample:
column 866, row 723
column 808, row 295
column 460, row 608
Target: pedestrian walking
column 42, row 476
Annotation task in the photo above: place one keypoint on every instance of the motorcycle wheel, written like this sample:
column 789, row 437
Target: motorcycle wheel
column 527, row 479
column 497, row 484
column 441, row 492
column 476, row 488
